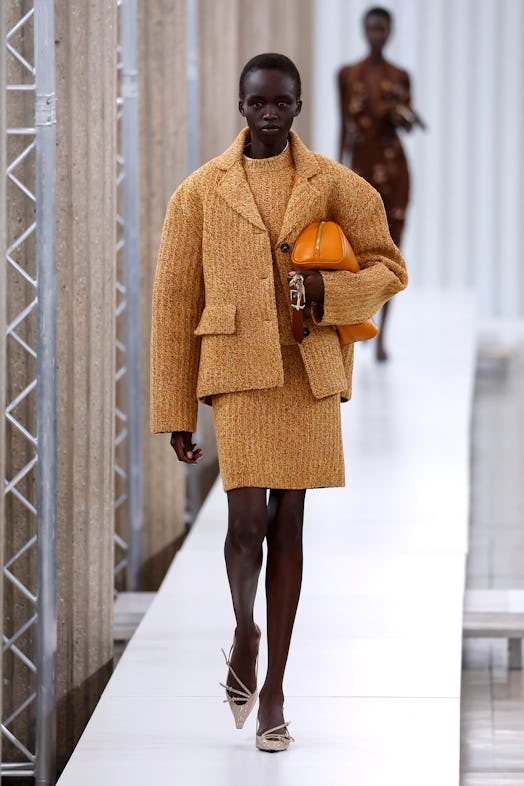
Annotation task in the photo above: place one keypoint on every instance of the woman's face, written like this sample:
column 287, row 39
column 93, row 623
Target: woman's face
column 377, row 31
column 269, row 105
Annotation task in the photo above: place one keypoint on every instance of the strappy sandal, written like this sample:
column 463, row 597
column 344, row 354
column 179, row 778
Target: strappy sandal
column 241, row 701
column 274, row 740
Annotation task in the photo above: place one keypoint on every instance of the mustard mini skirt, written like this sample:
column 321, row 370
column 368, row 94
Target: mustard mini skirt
column 280, row 438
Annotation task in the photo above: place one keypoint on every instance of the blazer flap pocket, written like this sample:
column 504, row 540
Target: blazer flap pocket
column 217, row 320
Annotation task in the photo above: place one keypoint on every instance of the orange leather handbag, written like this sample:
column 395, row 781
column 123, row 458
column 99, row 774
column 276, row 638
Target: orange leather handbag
column 322, row 245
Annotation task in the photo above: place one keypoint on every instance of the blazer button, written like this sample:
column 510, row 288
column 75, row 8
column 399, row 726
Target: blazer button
column 285, row 247
column 306, row 332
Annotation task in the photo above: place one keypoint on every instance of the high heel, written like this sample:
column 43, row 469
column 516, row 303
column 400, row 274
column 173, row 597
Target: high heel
column 241, row 702
column 274, row 740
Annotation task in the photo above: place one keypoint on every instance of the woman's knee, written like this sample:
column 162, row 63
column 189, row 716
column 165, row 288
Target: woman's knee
column 287, row 523
column 247, row 521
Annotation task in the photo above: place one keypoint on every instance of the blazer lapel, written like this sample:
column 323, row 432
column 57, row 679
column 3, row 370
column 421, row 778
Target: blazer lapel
column 305, row 198
column 234, row 188
column 302, row 208
column 304, row 203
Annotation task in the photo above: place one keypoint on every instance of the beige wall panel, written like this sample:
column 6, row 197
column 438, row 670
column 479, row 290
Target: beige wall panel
column 291, row 35
column 163, row 128
column 86, row 96
column 219, row 72
column 233, row 31
column 255, row 34
column 285, row 27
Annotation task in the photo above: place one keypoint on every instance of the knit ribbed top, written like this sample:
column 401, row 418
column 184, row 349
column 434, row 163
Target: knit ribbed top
column 271, row 182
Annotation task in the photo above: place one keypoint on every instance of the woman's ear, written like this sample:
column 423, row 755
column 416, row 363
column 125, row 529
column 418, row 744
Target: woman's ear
column 241, row 107
column 299, row 108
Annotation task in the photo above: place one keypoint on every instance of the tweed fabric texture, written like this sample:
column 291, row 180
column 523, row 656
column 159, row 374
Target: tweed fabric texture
column 280, row 438
column 215, row 326
column 271, row 182
column 289, row 438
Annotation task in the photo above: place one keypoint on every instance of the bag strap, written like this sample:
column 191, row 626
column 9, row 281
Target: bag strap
column 297, row 325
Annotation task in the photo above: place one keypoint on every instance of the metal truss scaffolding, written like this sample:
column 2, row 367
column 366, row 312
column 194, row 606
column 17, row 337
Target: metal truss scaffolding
column 128, row 415
column 29, row 637
column 29, row 570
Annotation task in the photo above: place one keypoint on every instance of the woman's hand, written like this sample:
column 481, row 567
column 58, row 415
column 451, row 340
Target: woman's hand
column 185, row 449
column 314, row 287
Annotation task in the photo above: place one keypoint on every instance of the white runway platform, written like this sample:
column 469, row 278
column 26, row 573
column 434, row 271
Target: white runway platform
column 373, row 680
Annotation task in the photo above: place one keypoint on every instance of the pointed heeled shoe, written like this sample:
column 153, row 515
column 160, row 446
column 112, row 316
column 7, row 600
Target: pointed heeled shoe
column 274, row 740
column 241, row 700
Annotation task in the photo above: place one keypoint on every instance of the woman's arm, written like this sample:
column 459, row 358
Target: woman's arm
column 344, row 141
column 178, row 299
column 354, row 297
column 403, row 114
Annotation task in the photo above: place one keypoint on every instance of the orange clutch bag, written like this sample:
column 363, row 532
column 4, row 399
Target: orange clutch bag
column 322, row 245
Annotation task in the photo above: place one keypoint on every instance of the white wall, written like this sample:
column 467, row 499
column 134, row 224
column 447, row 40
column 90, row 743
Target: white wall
column 466, row 61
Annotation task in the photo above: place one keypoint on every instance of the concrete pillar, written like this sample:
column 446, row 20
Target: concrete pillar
column 219, row 72
column 255, row 33
column 233, row 31
column 86, row 205
column 283, row 27
column 163, row 129
column 291, row 34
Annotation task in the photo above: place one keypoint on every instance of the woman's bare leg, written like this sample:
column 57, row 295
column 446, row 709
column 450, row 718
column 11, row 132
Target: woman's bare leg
column 380, row 350
column 247, row 528
column 396, row 227
column 283, row 583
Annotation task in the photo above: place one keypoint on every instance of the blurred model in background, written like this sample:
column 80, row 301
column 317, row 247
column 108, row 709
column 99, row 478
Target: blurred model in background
column 375, row 102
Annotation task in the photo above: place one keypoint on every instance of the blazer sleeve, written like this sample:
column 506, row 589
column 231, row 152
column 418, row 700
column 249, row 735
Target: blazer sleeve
column 354, row 297
column 178, row 298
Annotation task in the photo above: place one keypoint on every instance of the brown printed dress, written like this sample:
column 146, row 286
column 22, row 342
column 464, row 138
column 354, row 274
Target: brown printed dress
column 373, row 99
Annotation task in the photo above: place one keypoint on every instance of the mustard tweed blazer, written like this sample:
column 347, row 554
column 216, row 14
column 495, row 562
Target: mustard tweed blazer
column 215, row 327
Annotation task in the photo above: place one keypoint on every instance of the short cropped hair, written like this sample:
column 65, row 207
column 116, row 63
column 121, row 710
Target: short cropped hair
column 378, row 11
column 274, row 61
